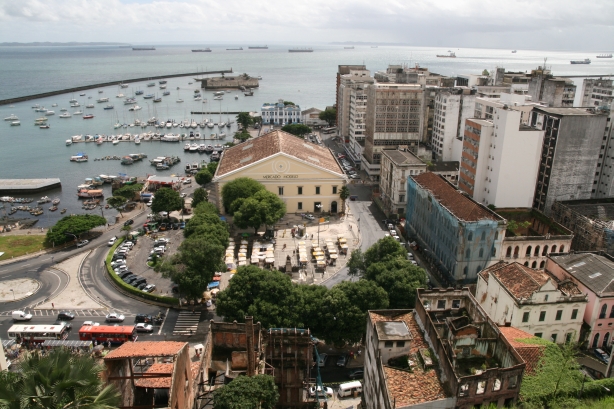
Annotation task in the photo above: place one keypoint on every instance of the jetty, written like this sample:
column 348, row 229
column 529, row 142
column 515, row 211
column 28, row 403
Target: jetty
column 14, row 186
column 225, row 82
column 106, row 84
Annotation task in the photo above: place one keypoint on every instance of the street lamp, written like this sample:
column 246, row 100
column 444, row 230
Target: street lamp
column 319, row 206
column 13, row 294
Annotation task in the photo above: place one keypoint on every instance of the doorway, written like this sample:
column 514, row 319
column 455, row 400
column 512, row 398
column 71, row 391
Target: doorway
column 333, row 207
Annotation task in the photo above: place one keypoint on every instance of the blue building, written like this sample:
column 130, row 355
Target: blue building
column 280, row 113
column 458, row 235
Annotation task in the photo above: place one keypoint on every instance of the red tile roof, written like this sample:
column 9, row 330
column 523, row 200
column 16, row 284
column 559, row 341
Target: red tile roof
column 146, row 349
column 521, row 281
column 530, row 353
column 411, row 388
column 451, row 198
column 273, row 143
column 163, row 382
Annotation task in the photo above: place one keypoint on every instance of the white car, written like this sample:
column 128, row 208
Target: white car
column 183, row 194
column 329, row 391
column 90, row 323
column 310, row 217
column 115, row 317
column 149, row 288
column 112, row 241
column 354, row 176
column 142, row 327
column 187, row 181
column 117, row 263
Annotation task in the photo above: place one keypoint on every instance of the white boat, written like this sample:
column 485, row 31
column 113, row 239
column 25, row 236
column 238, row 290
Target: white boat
column 63, row 110
column 120, row 95
column 137, row 140
column 193, row 124
column 66, row 115
column 218, row 97
column 180, row 100
column 49, row 113
column 186, row 147
column 134, row 108
column 68, row 142
column 77, row 138
column 221, row 135
column 41, row 119
column 79, row 112
column 105, row 99
column 210, row 124
column 221, row 124
column 193, row 147
column 89, row 106
column 100, row 91
column 15, row 123
column 197, row 99
column 74, row 105
column 217, row 93
column 72, row 100
column 11, row 117
column 45, row 126
column 236, row 97
column 54, row 105
column 115, row 142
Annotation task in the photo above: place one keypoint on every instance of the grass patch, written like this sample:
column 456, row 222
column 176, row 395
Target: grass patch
column 15, row 246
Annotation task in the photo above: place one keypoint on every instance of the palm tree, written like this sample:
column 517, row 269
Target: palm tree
column 58, row 380
column 344, row 193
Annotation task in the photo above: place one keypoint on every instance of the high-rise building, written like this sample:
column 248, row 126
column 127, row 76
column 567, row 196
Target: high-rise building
column 597, row 92
column 343, row 70
column 571, row 155
column 553, row 91
column 452, row 106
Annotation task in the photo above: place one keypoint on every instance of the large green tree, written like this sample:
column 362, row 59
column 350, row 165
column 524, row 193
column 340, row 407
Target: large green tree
column 203, row 177
column 212, row 166
column 400, row 279
column 117, row 203
column 247, row 392
column 200, row 195
column 342, row 321
column 75, row 225
column 299, row 130
column 239, row 188
column 166, row 200
column 383, row 250
column 130, row 192
column 356, row 263
column 57, row 380
column 261, row 208
column 329, row 115
column 203, row 255
column 244, row 119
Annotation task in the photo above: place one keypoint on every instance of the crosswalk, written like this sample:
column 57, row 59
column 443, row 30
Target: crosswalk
column 187, row 323
column 78, row 313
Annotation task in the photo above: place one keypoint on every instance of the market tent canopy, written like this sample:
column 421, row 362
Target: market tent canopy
column 59, row 343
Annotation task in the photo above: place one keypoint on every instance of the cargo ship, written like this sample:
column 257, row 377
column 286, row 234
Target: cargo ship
column 202, row 50
column 259, row 47
column 604, row 56
column 300, row 50
column 584, row 61
column 451, row 55
column 143, row 48
column 235, row 49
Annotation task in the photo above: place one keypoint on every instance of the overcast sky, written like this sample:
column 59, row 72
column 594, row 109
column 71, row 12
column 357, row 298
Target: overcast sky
column 522, row 24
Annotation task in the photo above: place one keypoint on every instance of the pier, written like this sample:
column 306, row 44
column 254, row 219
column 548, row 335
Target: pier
column 14, row 186
column 215, row 113
column 106, row 84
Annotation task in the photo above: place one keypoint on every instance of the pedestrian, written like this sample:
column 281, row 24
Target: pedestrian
column 359, row 351
column 52, row 305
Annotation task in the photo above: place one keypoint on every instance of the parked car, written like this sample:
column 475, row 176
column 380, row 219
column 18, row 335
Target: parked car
column 82, row 243
column 410, row 256
column 125, row 274
column 141, row 286
column 119, row 257
column 322, row 360
column 128, row 222
column 182, row 225
column 342, row 361
column 90, row 323
column 601, row 355
column 175, row 226
column 143, row 318
column 149, row 288
column 310, row 217
column 111, row 241
column 354, row 176
column 161, row 241
column 128, row 278
column 141, row 280
column 356, row 373
column 187, row 181
column 115, row 317
column 65, row 315
column 142, row 327
column 328, row 391
column 163, row 227
column 117, row 263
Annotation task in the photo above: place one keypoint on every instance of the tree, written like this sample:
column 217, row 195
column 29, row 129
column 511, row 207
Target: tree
column 263, row 207
column 200, row 195
column 202, row 255
column 242, row 136
column 356, row 264
column 400, row 279
column 117, row 203
column 239, row 188
column 364, row 294
column 342, row 321
column 289, row 103
column 247, row 392
column 57, row 380
column 212, row 166
column 203, row 177
column 166, row 200
column 75, row 225
column 383, row 250
column 299, row 130
column 485, row 72
column 344, row 193
column 310, row 307
column 244, row 119
column 129, row 191
column 329, row 115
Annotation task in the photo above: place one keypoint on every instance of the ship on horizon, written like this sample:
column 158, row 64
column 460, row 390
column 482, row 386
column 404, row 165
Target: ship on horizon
column 259, row 47
column 235, row 49
column 451, row 55
column 143, row 48
column 300, row 50
column 202, row 50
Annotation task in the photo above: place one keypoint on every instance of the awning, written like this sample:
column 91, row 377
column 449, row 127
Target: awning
column 59, row 343
column 7, row 343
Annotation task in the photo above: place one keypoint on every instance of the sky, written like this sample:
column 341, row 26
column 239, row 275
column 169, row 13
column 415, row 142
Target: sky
column 521, row 24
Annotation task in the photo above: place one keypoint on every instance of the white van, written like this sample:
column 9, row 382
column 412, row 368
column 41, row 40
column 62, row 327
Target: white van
column 21, row 316
column 349, row 388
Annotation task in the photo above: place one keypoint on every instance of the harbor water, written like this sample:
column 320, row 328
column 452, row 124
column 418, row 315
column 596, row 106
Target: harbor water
column 307, row 79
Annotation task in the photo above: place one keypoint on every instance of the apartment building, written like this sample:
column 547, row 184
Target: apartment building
column 476, row 360
column 397, row 165
column 500, row 158
column 593, row 273
column 311, row 117
column 532, row 300
column 340, row 96
column 597, row 92
column 571, row 155
column 353, row 83
column 458, row 235
column 452, row 106
column 553, row 91
column 393, row 117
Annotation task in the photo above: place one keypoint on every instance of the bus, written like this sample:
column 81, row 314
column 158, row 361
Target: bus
column 117, row 334
column 332, row 129
column 38, row 333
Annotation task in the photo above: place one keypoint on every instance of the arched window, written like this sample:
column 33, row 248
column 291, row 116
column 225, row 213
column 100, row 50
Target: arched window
column 483, row 236
column 516, row 251
column 562, row 249
column 545, row 252
column 526, row 263
column 470, row 237
column 553, row 250
column 542, row 264
column 534, row 264
column 481, row 252
column 596, row 341
column 606, row 338
column 612, row 312
column 496, row 235
column 528, row 253
column 467, row 253
column 509, row 252
column 536, row 251
column 466, row 271
column 478, row 269
column 603, row 310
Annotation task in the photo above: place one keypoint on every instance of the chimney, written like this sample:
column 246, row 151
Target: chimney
column 249, row 336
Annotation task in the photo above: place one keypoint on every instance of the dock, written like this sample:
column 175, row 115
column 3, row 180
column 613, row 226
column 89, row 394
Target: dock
column 106, row 84
column 215, row 112
column 15, row 186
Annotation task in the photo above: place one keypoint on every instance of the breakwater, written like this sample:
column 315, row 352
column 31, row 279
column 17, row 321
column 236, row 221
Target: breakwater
column 106, row 84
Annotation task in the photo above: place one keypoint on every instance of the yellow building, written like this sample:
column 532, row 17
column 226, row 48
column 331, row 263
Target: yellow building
column 307, row 177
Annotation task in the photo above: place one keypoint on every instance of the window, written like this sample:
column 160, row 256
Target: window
column 300, row 205
column 559, row 314
column 496, row 385
column 538, row 334
column 334, row 190
column 300, row 190
column 441, row 304
column 483, row 236
column 470, row 237
column 317, row 190
column 467, row 253
column 401, row 198
column 280, row 191
column 574, row 314
column 513, row 381
column 455, row 303
column 481, row 253
column 546, row 298
column 562, row 249
column 553, row 338
column 400, row 344
column 496, row 235
column 542, row 316
column 525, row 317
column 568, row 337
column 612, row 312
column 481, row 388
column 388, row 344
column 603, row 310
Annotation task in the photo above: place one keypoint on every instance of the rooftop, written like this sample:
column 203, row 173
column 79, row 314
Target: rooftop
column 448, row 166
column 461, row 206
column 530, row 353
column 402, row 157
column 415, row 387
column 392, row 331
column 595, row 271
column 146, row 349
column 520, row 281
column 272, row 143
column 565, row 111
column 600, row 210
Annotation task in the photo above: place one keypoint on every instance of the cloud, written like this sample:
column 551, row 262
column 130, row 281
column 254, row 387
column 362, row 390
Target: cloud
column 419, row 22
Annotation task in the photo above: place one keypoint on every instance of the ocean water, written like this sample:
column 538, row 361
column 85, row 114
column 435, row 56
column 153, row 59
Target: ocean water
column 308, row 79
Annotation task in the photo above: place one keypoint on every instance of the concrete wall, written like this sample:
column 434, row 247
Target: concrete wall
column 229, row 82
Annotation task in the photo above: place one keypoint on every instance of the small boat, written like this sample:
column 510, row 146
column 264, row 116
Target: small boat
column 79, row 157
column 72, row 100
column 120, row 95
column 179, row 100
column 218, row 97
column 53, row 208
column 165, row 93
column 100, row 91
column 74, row 105
column 54, row 105
column 15, row 123
column 186, row 147
column 162, row 86
column 215, row 156
column 99, row 100
column 134, row 108
column 162, row 82
column 151, row 84
column 149, row 96
column 115, row 141
column 89, row 106
column 109, row 107
column 12, row 117
column 68, row 142
column 219, row 93
column 49, row 113
column 79, row 112
column 236, row 97
column 249, row 93
column 202, row 50
column 56, row 201
column 193, row 147
column 513, row 51
column 63, row 211
column 82, row 94
column 44, row 127
column 157, row 100
column 123, row 85
column 210, row 124
column 88, row 116
column 584, row 61
column 604, row 56
column 197, row 98
column 137, row 141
